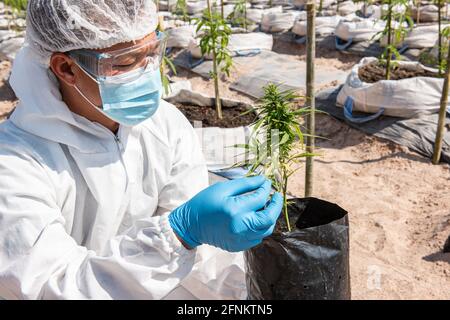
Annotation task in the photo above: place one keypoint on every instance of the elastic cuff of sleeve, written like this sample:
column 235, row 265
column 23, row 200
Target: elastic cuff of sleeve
column 176, row 229
column 169, row 234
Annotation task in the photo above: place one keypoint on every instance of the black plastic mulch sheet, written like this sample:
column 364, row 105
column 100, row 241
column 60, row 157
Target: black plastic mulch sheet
column 418, row 134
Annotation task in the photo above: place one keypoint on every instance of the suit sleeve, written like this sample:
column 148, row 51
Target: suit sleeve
column 40, row 260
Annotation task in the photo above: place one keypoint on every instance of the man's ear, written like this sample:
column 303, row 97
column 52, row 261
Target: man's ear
column 62, row 66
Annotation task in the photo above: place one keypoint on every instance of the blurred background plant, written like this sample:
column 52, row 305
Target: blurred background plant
column 18, row 14
column 215, row 36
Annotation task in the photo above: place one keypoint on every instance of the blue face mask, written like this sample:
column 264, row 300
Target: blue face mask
column 129, row 98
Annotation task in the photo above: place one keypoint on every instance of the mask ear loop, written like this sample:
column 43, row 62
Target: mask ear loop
column 81, row 93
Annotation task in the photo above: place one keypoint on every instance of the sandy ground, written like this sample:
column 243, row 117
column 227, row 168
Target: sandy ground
column 399, row 209
column 399, row 203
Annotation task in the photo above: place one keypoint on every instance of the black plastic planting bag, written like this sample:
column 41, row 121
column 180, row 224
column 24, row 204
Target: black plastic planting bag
column 309, row 263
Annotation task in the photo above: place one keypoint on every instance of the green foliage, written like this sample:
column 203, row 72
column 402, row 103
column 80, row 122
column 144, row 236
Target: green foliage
column 19, row 5
column 275, row 135
column 167, row 62
column 215, row 39
column 215, row 36
column 181, row 10
column 239, row 15
column 395, row 31
column 18, row 11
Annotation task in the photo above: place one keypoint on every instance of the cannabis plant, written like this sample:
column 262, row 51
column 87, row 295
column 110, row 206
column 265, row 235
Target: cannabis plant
column 441, row 33
column 395, row 31
column 18, row 8
column 18, row 5
column 239, row 14
column 165, row 62
column 214, row 40
column 276, row 133
column 181, row 10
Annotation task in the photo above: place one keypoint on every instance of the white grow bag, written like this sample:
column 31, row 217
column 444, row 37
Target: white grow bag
column 181, row 37
column 278, row 22
column 325, row 3
column 422, row 37
column 397, row 98
column 348, row 7
column 324, row 26
column 194, row 7
column 241, row 44
column 254, row 16
column 428, row 13
column 358, row 30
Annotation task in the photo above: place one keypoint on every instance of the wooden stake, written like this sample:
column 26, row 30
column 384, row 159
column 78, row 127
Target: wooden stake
column 310, row 94
column 389, row 34
column 215, row 73
column 440, row 37
column 442, row 115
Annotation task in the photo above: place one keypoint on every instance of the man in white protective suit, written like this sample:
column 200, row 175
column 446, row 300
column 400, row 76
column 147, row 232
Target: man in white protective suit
column 103, row 187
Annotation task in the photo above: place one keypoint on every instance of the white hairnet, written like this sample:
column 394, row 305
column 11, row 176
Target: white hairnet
column 64, row 25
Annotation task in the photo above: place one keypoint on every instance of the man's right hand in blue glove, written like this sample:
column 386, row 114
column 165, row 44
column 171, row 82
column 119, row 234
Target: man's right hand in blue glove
column 229, row 215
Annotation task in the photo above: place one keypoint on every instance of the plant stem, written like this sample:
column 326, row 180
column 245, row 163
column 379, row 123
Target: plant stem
column 245, row 16
column 389, row 51
column 222, row 10
column 310, row 94
column 442, row 115
column 418, row 12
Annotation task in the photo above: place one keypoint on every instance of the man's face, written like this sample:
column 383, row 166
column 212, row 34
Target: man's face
column 125, row 62
column 71, row 76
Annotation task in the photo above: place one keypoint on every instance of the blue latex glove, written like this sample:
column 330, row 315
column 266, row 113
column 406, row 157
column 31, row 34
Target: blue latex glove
column 229, row 215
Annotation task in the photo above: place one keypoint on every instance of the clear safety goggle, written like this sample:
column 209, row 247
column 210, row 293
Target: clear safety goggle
column 139, row 57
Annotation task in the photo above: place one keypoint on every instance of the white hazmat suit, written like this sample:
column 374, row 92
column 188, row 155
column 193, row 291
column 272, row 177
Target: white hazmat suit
column 84, row 214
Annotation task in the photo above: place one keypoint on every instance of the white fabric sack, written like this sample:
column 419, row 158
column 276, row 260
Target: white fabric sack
column 359, row 29
column 375, row 11
column 193, row 7
column 427, row 13
column 435, row 51
column 255, row 15
column 422, row 37
column 324, row 26
column 195, row 50
column 400, row 98
column 278, row 22
column 181, row 37
column 372, row 11
column 325, row 3
column 348, row 7
column 167, row 5
column 250, row 41
column 256, row 2
column 227, row 9
column 239, row 43
column 397, row 42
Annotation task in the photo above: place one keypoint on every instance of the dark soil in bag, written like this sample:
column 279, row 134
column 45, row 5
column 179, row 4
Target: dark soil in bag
column 232, row 117
column 374, row 72
column 309, row 263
